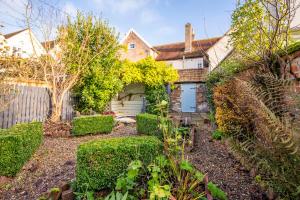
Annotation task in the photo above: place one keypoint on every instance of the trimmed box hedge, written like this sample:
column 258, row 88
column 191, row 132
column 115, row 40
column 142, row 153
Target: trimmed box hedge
column 148, row 124
column 17, row 145
column 100, row 162
column 92, row 124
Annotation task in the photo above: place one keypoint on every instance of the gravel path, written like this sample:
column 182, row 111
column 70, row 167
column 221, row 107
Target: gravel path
column 212, row 157
column 52, row 165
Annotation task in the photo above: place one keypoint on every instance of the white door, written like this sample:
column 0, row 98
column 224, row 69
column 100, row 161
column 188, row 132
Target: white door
column 188, row 97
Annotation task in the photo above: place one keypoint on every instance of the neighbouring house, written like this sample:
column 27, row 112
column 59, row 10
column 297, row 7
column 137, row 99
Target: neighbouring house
column 52, row 48
column 295, row 33
column 23, row 44
column 192, row 58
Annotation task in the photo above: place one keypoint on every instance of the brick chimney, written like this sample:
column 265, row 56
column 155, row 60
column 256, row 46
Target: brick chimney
column 189, row 37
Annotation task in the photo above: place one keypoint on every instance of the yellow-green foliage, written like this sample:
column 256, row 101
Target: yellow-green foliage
column 255, row 114
column 17, row 144
column 149, row 72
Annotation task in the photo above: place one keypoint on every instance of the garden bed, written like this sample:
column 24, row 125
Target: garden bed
column 52, row 165
column 212, row 157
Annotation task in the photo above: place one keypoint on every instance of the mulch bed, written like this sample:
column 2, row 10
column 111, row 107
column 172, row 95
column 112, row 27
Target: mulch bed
column 212, row 157
column 53, row 164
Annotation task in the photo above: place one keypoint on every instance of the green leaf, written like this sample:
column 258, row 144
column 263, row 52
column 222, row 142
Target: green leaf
column 186, row 165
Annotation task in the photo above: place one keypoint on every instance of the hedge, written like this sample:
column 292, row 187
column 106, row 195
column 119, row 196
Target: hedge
column 92, row 124
column 148, row 124
column 17, row 144
column 100, row 162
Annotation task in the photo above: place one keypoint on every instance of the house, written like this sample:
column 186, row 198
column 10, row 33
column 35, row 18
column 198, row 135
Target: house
column 295, row 33
column 24, row 44
column 192, row 58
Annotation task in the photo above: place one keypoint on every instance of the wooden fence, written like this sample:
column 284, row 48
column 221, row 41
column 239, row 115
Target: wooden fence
column 32, row 103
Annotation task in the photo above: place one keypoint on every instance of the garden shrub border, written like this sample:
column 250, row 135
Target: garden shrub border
column 93, row 124
column 100, row 162
column 148, row 124
column 17, row 144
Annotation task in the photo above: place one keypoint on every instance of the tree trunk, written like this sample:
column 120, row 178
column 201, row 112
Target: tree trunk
column 56, row 107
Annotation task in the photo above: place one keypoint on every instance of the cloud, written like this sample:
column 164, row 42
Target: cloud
column 122, row 6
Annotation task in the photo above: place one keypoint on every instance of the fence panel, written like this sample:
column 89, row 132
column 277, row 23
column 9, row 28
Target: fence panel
column 32, row 103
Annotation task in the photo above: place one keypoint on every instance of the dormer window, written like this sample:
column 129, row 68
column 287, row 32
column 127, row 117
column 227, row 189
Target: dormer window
column 131, row 46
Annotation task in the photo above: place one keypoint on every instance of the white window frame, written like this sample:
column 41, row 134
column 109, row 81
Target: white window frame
column 131, row 46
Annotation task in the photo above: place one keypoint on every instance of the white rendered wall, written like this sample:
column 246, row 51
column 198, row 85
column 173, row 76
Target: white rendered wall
column 219, row 52
column 24, row 42
column 189, row 63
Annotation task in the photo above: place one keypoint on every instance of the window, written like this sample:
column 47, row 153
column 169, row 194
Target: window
column 131, row 46
column 200, row 64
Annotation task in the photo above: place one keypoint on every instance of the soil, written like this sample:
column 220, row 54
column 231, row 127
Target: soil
column 212, row 157
column 52, row 165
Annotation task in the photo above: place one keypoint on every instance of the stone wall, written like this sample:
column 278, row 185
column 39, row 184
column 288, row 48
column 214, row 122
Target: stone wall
column 201, row 102
column 190, row 76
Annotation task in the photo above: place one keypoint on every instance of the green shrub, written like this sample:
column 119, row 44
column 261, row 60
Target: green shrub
column 217, row 135
column 17, row 144
column 216, row 192
column 155, row 95
column 148, row 124
column 92, row 124
column 100, row 162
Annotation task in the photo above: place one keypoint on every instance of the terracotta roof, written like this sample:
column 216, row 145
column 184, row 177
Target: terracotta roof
column 9, row 35
column 49, row 44
column 175, row 51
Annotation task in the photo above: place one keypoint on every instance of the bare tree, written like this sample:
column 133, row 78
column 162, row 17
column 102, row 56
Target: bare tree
column 261, row 32
column 76, row 44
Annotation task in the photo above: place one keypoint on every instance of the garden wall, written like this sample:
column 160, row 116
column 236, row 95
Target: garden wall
column 32, row 103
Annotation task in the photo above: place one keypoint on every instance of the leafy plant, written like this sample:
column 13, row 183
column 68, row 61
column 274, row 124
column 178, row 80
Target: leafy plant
column 154, row 95
column 127, row 182
column 150, row 72
column 116, row 196
column 258, row 117
column 101, row 80
column 217, row 135
column 226, row 71
column 216, row 192
column 158, row 185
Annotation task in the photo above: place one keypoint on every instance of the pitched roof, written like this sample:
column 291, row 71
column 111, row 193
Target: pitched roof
column 49, row 44
column 175, row 51
column 134, row 32
column 9, row 35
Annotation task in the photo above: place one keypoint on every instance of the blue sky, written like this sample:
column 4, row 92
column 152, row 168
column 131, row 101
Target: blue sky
column 158, row 21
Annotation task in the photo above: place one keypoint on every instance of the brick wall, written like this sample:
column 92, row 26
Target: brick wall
column 140, row 51
column 297, row 86
column 295, row 68
column 192, row 75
